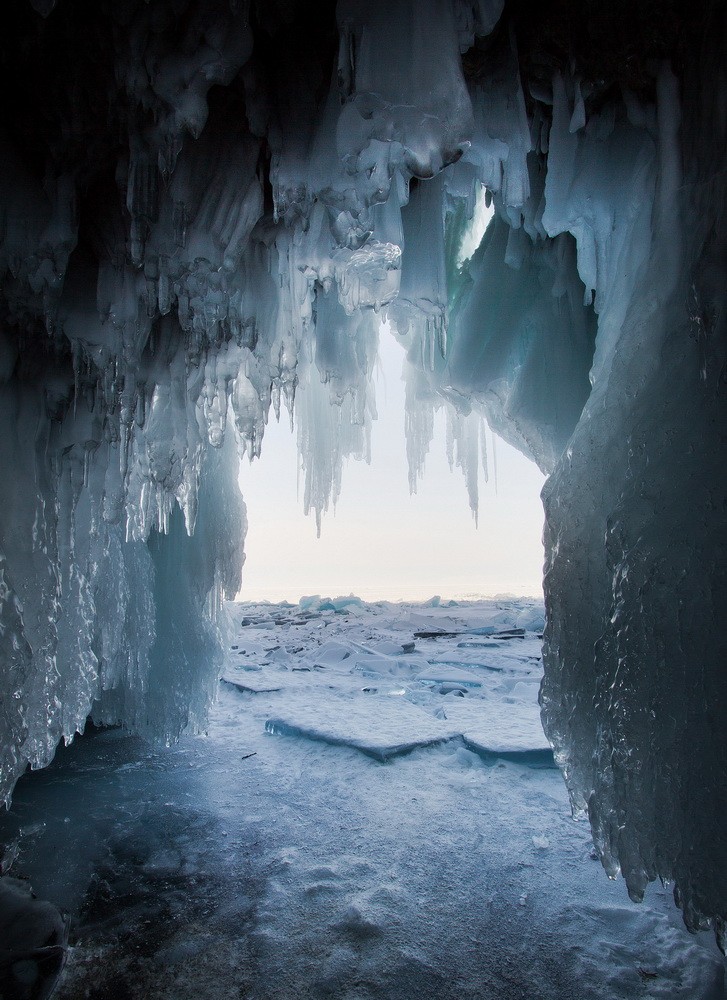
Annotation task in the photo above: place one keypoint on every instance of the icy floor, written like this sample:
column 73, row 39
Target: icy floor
column 373, row 814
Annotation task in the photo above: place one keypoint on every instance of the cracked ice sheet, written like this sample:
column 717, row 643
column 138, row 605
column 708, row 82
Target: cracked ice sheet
column 497, row 728
column 365, row 681
column 378, row 726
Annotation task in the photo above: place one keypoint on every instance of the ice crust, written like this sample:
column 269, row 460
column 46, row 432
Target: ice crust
column 207, row 209
column 376, row 688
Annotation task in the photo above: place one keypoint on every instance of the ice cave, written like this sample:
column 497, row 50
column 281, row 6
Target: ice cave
column 209, row 210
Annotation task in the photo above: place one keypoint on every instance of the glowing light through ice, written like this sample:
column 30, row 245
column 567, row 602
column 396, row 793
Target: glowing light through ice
column 477, row 225
column 381, row 542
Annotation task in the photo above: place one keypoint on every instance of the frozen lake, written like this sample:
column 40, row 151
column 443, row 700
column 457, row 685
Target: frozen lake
column 373, row 813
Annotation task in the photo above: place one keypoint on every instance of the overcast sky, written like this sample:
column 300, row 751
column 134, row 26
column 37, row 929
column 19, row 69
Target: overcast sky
column 381, row 542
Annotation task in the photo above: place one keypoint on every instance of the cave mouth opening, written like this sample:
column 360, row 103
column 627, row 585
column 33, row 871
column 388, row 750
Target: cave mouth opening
column 394, row 533
column 372, row 801
column 206, row 206
column 372, row 804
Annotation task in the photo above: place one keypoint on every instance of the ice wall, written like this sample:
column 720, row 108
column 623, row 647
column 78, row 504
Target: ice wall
column 635, row 695
column 208, row 207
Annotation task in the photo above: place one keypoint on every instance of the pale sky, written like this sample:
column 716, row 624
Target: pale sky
column 382, row 543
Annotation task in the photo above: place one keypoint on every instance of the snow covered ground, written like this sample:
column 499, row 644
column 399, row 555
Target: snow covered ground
column 373, row 813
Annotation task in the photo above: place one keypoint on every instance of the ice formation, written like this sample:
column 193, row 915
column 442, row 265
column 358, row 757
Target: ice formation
column 208, row 206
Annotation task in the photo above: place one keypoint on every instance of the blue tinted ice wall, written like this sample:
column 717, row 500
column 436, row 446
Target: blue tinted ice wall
column 207, row 208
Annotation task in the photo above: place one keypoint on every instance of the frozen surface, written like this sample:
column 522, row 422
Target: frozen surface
column 248, row 863
column 382, row 732
column 206, row 209
column 34, row 938
column 357, row 675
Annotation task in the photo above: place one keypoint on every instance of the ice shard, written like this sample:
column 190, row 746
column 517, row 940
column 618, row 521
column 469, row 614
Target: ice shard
column 207, row 209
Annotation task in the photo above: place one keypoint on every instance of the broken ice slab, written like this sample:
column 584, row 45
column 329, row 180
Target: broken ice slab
column 330, row 653
column 434, row 625
column 500, row 729
column 249, row 647
column 434, row 621
column 377, row 726
column 371, row 747
column 532, row 619
column 377, row 665
column 249, row 686
column 524, row 689
column 316, row 604
column 441, row 674
column 347, row 603
column 386, row 647
column 493, row 637
column 541, row 758
column 279, row 658
column 460, row 664
column 510, row 633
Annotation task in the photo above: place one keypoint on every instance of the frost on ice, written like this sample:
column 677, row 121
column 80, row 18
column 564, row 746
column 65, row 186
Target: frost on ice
column 207, row 209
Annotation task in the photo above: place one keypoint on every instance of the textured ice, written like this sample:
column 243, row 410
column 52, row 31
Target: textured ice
column 500, row 727
column 450, row 675
column 249, row 686
column 207, row 211
column 333, row 652
column 353, row 685
column 375, row 725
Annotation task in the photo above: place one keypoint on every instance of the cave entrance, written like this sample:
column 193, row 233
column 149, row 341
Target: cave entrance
column 379, row 540
column 389, row 504
column 374, row 810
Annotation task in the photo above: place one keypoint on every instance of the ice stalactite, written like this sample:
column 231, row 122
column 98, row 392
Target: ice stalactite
column 207, row 209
